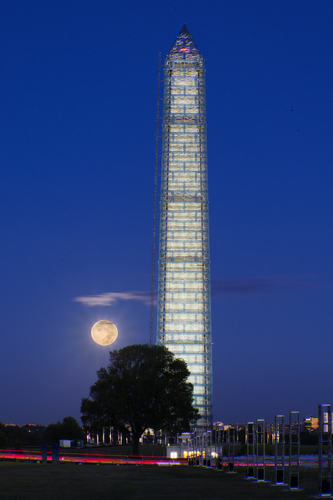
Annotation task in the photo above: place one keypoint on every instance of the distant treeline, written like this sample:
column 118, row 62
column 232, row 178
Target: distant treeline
column 15, row 436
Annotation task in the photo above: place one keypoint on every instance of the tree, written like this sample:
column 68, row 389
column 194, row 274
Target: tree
column 3, row 440
column 67, row 429
column 143, row 387
column 70, row 429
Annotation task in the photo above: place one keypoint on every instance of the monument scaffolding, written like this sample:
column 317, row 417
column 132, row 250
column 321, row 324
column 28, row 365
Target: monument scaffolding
column 183, row 308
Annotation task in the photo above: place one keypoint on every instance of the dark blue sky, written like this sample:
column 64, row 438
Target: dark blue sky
column 77, row 147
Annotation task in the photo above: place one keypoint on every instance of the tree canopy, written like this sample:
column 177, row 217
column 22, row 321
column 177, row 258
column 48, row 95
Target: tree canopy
column 67, row 429
column 143, row 387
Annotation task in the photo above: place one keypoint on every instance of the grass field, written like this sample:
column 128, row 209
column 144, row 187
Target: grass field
column 25, row 481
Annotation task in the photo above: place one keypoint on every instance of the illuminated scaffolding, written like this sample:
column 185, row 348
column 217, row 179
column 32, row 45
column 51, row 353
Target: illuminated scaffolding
column 184, row 312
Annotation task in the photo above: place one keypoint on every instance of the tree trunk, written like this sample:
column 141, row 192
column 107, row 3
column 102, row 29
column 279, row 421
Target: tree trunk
column 135, row 444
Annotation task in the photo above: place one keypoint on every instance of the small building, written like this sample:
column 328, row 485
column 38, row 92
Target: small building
column 71, row 443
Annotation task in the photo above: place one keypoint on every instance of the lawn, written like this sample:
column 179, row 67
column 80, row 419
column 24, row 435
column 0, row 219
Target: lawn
column 25, row 481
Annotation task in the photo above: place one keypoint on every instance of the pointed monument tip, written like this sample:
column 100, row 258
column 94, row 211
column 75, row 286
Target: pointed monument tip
column 184, row 30
column 184, row 46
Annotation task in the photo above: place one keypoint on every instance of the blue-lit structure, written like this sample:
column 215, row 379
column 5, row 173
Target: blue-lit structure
column 184, row 311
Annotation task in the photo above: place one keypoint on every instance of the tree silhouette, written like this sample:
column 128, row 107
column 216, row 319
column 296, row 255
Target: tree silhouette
column 143, row 387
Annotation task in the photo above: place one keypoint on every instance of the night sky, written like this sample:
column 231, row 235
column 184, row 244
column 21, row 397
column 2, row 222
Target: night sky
column 77, row 156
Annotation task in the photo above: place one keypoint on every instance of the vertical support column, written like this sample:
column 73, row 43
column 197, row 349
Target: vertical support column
column 195, row 457
column 55, row 453
column 231, row 449
column 325, row 450
column 190, row 451
column 294, row 449
column 199, row 450
column 219, row 449
column 260, row 441
column 279, row 449
column 250, row 449
column 202, row 443
column 194, row 450
column 44, row 453
column 204, row 449
column 209, row 449
column 236, row 435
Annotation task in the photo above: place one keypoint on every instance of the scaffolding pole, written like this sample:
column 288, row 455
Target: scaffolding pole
column 231, row 449
column 250, row 449
column 294, row 449
column 279, row 449
column 260, row 442
column 325, row 450
column 219, row 448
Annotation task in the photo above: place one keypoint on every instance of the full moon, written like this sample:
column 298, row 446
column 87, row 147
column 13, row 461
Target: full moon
column 104, row 332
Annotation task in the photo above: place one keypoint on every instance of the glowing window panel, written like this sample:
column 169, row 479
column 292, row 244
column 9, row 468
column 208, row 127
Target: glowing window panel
column 176, row 147
column 183, row 216
column 195, row 368
column 176, row 348
column 176, row 307
column 196, row 379
column 184, row 100
column 189, row 358
column 173, row 245
column 200, row 390
column 176, row 129
column 174, row 108
column 193, row 246
column 184, row 236
column 172, row 186
column 184, row 339
column 173, row 327
column 193, row 186
column 197, row 350
column 184, row 177
column 183, row 138
column 182, row 256
column 177, row 90
column 184, row 317
column 170, row 276
column 196, row 327
column 192, row 147
column 191, row 72
column 184, row 297
column 174, row 267
column 186, row 82
column 191, row 91
column 176, row 166
column 194, row 307
column 181, row 157
column 169, row 287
